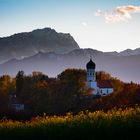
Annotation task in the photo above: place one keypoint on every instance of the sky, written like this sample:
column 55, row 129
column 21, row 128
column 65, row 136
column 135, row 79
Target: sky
column 105, row 25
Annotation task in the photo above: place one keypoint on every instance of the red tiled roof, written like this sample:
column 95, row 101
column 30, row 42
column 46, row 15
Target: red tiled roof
column 104, row 84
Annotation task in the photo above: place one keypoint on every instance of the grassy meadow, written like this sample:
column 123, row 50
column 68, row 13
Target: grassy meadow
column 114, row 124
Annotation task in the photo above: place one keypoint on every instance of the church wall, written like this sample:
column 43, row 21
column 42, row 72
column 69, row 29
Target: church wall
column 90, row 75
column 92, row 85
column 18, row 107
column 105, row 91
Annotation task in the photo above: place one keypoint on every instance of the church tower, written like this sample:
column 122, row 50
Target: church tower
column 91, row 77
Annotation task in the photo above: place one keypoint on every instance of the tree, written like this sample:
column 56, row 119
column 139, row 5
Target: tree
column 19, row 82
column 7, row 85
column 70, row 84
column 73, row 80
column 102, row 75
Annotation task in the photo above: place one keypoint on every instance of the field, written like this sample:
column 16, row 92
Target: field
column 114, row 124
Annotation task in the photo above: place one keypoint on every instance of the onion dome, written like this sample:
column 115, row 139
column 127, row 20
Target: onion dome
column 91, row 65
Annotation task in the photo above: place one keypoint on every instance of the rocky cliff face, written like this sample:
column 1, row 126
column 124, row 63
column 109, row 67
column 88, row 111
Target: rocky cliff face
column 26, row 44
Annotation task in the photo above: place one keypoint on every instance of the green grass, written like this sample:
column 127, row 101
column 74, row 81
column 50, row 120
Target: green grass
column 114, row 124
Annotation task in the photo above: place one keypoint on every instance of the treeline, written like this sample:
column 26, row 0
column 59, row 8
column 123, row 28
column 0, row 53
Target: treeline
column 65, row 93
column 40, row 94
column 52, row 95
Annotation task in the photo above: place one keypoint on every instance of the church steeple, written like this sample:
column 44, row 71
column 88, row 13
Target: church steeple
column 91, row 64
column 91, row 78
column 101, row 87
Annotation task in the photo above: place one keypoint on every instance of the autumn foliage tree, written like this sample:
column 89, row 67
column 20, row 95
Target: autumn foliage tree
column 7, row 85
column 69, row 86
column 66, row 92
column 128, row 96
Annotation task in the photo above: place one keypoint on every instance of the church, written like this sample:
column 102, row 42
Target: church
column 99, row 87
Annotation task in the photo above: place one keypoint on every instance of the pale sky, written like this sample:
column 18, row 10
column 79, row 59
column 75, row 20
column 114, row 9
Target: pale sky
column 105, row 25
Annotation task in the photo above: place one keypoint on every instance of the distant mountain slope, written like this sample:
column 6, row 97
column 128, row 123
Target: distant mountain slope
column 130, row 52
column 126, row 68
column 29, row 43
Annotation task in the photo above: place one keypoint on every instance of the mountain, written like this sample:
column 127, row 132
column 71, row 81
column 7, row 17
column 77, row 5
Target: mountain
column 29, row 43
column 50, row 52
column 124, row 67
column 128, row 52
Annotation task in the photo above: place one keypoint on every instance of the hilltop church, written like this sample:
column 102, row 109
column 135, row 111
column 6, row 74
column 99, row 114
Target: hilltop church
column 99, row 87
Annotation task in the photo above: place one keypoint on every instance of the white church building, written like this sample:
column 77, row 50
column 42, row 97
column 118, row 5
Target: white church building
column 99, row 87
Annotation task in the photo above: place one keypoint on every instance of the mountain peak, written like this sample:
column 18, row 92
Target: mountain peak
column 44, row 31
column 30, row 43
column 128, row 52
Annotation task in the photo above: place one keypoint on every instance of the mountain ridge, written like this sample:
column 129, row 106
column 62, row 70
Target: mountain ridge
column 128, row 52
column 29, row 43
column 29, row 51
column 125, row 68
